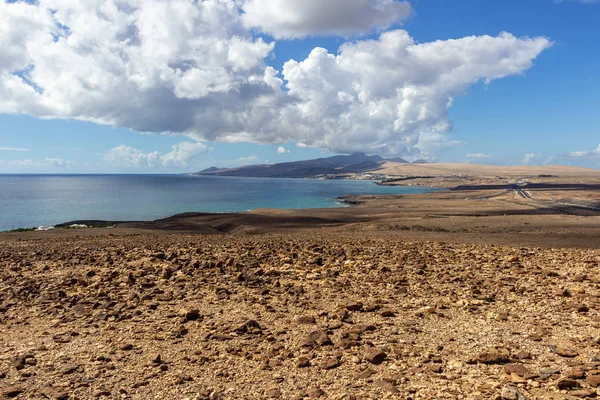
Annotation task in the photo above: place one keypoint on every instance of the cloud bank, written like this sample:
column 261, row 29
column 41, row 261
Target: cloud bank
column 179, row 156
column 198, row 69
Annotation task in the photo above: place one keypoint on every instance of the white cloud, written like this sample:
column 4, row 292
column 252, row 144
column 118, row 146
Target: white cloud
column 193, row 68
column 47, row 162
column 282, row 150
column 478, row 155
column 537, row 159
column 588, row 155
column 531, row 158
column 13, row 149
column 296, row 19
column 251, row 160
column 178, row 157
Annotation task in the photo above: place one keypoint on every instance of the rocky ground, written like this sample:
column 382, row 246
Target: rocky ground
column 307, row 315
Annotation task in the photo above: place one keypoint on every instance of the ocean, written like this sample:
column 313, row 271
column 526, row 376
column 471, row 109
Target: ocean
column 34, row 200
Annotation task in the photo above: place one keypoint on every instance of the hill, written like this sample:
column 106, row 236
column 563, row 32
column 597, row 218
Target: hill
column 342, row 164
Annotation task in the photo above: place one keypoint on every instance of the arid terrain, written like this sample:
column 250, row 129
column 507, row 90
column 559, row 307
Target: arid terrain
column 472, row 294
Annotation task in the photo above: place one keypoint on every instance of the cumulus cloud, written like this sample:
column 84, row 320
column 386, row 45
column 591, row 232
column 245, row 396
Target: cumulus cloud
column 194, row 68
column 584, row 155
column 250, row 160
column 537, row 159
column 478, row 155
column 295, row 19
column 282, row 150
column 531, row 158
column 179, row 156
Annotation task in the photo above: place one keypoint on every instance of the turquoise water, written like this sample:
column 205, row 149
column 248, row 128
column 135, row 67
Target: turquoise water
column 34, row 200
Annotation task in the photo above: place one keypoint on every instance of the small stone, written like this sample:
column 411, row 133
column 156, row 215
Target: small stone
column 302, row 362
column 354, row 306
column 126, row 347
column 512, row 393
column 593, row 380
column 546, row 373
column 68, row 369
column 330, row 363
column 12, row 391
column 190, row 315
column 564, row 351
column 568, row 384
column 366, row 374
column 584, row 393
column 375, row 356
column 519, row 370
column 499, row 356
column 156, row 359
column 315, row 393
column 387, row 386
column 436, row 368
column 575, row 373
column 388, row 314
column 306, row 320
column 319, row 338
column 273, row 393
column 53, row 393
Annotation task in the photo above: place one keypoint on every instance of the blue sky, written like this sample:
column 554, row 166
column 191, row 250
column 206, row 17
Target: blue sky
column 546, row 112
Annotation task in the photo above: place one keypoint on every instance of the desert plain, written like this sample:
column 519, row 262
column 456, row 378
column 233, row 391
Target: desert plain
column 487, row 290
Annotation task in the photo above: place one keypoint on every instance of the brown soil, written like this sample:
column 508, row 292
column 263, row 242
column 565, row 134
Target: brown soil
column 438, row 296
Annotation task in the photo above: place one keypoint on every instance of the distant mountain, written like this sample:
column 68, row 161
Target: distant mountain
column 398, row 160
column 352, row 163
column 211, row 170
column 420, row 162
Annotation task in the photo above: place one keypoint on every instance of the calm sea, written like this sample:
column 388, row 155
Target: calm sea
column 34, row 200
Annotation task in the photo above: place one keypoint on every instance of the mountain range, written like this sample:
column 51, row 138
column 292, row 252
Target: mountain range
column 336, row 165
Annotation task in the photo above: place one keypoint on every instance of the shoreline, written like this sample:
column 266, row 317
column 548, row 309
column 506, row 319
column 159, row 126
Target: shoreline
column 532, row 217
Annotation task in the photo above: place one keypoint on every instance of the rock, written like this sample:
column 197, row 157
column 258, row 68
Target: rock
column 519, row 370
column 156, row 359
column 512, row 393
column 273, row 393
column 568, row 384
column 315, row 393
column 436, row 368
column 388, row 313
column 354, row 306
column 387, row 386
column 575, row 373
column 499, row 356
column 126, row 347
column 302, row 362
column 375, row 356
column 564, row 351
column 190, row 315
column 546, row 373
column 306, row 320
column 366, row 374
column 68, row 369
column 251, row 327
column 584, row 393
column 593, row 380
column 12, row 391
column 330, row 363
column 53, row 393
column 316, row 338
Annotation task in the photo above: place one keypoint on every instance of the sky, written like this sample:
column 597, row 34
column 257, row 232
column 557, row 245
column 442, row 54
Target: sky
column 156, row 86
